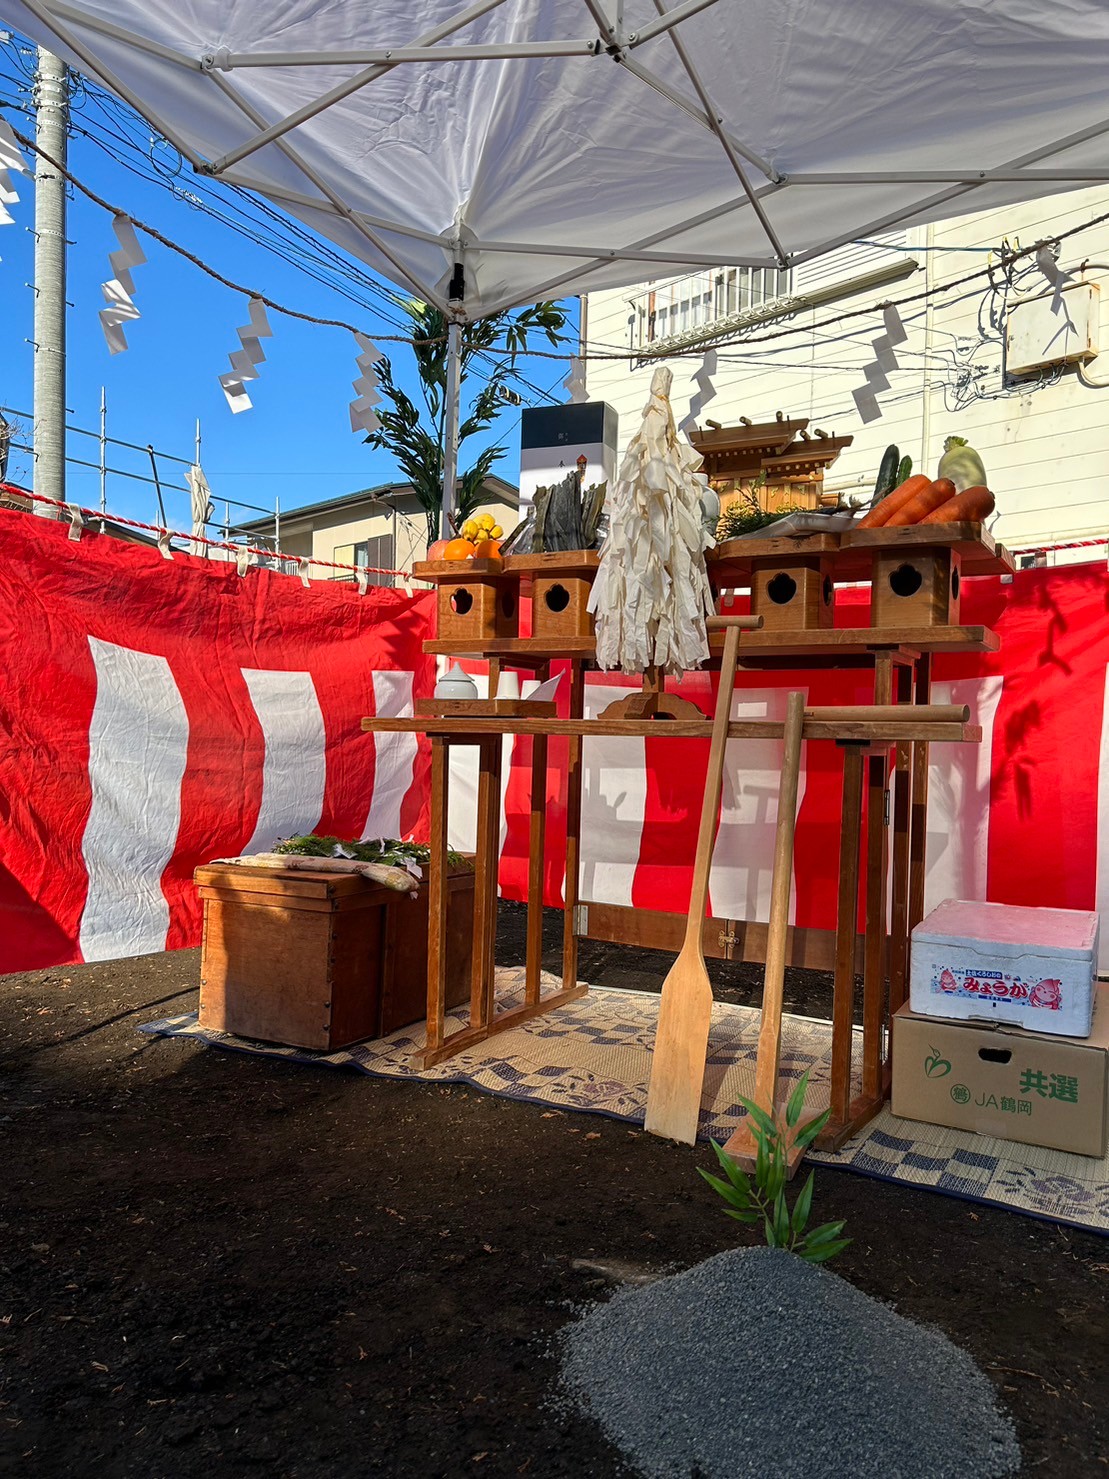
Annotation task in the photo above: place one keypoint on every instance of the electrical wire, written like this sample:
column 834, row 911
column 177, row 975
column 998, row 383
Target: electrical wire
column 112, row 128
column 957, row 361
column 939, row 291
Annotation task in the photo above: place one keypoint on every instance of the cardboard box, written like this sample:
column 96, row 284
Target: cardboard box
column 1032, row 967
column 1005, row 1081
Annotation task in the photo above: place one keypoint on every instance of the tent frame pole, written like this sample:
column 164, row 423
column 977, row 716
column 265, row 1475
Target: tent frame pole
column 450, row 429
column 343, row 89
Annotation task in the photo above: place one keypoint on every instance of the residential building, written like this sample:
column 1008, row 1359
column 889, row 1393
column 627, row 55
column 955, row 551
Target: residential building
column 965, row 369
column 380, row 528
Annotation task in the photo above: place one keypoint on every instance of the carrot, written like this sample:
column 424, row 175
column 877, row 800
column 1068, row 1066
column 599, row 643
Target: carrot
column 884, row 511
column 934, row 496
column 971, row 507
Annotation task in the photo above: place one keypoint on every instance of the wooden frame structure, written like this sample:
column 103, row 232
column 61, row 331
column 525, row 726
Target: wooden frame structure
column 884, row 753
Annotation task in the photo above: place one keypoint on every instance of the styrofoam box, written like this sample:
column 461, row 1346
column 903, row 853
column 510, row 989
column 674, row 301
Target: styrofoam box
column 1005, row 963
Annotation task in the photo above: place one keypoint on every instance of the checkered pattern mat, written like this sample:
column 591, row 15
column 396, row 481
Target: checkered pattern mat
column 594, row 1055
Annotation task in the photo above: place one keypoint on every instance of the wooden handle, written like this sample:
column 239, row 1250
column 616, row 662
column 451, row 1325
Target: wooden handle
column 770, row 1031
column 892, row 714
column 714, row 781
column 737, row 623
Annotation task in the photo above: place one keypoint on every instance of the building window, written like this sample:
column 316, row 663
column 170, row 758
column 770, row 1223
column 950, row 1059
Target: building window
column 370, row 554
column 689, row 304
column 376, row 553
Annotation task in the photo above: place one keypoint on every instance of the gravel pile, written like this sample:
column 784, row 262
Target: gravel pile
column 757, row 1363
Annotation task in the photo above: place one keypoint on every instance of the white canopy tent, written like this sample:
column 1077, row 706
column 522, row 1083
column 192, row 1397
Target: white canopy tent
column 489, row 155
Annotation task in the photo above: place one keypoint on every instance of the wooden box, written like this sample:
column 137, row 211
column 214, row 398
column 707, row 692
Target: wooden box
column 560, row 584
column 321, row 960
column 476, row 599
column 792, row 594
column 917, row 586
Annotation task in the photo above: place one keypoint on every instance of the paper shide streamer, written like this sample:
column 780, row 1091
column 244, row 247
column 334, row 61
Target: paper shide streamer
column 876, row 373
column 247, row 358
column 363, row 417
column 11, row 162
column 574, row 384
column 1047, row 260
column 706, row 391
column 119, row 290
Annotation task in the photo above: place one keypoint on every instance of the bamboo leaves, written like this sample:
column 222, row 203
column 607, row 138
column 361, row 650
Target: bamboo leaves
column 762, row 1198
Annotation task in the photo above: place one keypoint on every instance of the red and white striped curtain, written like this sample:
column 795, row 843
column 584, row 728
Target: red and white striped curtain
column 156, row 714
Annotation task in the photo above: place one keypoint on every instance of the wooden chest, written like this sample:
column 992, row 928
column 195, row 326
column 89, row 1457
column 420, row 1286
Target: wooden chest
column 321, row 960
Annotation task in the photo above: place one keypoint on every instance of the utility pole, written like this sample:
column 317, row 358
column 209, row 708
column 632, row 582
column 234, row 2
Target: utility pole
column 51, row 135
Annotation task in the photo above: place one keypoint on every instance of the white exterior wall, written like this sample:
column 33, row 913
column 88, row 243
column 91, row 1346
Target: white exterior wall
column 1045, row 446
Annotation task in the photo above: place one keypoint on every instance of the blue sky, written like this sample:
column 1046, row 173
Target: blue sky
column 295, row 443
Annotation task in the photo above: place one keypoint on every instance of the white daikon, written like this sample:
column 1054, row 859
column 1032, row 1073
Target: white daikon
column 962, row 464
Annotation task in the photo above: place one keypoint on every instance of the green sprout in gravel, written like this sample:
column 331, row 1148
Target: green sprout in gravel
column 763, row 1197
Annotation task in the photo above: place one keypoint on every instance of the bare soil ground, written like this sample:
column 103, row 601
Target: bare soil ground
column 212, row 1264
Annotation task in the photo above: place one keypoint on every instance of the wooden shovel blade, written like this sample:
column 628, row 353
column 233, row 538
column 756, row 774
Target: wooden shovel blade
column 678, row 1065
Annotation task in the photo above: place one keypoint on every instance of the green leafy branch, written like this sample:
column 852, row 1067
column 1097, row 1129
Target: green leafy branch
column 380, row 850
column 763, row 1197
column 414, row 437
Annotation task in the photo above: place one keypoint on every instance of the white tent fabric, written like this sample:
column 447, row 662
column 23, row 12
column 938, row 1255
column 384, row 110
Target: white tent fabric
column 555, row 146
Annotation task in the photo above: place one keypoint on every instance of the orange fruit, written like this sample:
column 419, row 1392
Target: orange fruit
column 491, row 550
column 457, row 549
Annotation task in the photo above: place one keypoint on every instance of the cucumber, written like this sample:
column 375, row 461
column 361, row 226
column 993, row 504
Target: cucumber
column 904, row 471
column 887, row 475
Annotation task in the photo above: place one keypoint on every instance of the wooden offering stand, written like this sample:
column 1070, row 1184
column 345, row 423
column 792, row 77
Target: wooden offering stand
column 559, row 585
column 884, row 745
column 474, row 598
column 916, row 575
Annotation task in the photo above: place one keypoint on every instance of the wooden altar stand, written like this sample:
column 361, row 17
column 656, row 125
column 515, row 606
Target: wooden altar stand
column 883, row 745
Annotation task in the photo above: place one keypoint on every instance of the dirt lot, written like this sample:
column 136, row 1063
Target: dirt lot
column 212, row 1264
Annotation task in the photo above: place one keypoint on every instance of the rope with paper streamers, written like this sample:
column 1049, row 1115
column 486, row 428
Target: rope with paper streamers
column 875, row 373
column 173, row 246
column 79, row 516
column 938, row 290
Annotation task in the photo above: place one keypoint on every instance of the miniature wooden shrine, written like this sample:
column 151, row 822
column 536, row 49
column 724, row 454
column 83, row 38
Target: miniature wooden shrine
column 885, row 758
column 778, row 461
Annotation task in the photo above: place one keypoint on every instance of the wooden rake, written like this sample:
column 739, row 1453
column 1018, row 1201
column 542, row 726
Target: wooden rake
column 681, row 1041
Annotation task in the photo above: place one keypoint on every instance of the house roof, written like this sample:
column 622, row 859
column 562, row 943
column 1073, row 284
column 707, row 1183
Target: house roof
column 498, row 487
